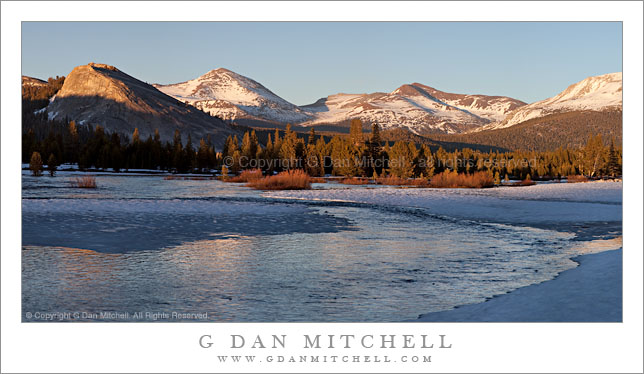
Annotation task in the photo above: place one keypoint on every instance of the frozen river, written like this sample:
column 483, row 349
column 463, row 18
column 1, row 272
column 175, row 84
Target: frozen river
column 333, row 254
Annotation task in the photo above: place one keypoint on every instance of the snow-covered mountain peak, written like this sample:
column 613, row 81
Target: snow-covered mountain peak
column 232, row 96
column 602, row 92
column 598, row 91
column 415, row 106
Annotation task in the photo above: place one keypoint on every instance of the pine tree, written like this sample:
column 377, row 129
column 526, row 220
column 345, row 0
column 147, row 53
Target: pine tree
column 424, row 163
column 313, row 163
column 374, row 151
column 249, row 148
column 375, row 142
column 277, row 144
column 355, row 133
column 236, row 161
column 401, row 159
column 202, row 155
column 190, row 155
column 52, row 165
column 135, row 136
column 35, row 164
column 73, row 144
column 311, row 140
column 245, row 146
column 592, row 156
column 613, row 167
column 156, row 150
column 115, row 158
column 287, row 150
column 228, row 147
column 235, row 144
column 345, row 161
column 254, row 145
column 177, row 152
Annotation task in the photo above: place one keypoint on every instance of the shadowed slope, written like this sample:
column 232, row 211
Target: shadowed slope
column 98, row 94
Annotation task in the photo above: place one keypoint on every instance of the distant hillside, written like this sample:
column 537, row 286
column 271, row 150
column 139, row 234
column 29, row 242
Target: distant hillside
column 39, row 91
column 570, row 129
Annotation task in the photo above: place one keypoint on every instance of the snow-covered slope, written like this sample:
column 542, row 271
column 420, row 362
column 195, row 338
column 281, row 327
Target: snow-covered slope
column 416, row 107
column 597, row 93
column 231, row 96
column 30, row 81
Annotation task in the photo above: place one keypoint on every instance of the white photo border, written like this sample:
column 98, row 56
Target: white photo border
column 167, row 347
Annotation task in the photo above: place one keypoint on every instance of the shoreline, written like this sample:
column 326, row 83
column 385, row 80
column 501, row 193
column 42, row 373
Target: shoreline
column 590, row 292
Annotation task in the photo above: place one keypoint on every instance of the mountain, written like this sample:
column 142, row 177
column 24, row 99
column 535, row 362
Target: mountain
column 231, row 96
column 30, row 81
column 416, row 107
column 599, row 93
column 99, row 94
column 419, row 108
column 547, row 133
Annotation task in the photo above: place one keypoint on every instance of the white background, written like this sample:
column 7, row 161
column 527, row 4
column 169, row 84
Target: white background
column 145, row 347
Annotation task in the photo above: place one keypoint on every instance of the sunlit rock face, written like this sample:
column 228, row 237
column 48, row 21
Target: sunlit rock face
column 99, row 94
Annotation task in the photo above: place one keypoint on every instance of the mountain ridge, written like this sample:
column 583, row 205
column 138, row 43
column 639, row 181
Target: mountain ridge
column 230, row 96
column 415, row 106
column 101, row 94
column 595, row 93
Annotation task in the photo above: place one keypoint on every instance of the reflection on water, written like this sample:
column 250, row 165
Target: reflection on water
column 155, row 245
column 391, row 267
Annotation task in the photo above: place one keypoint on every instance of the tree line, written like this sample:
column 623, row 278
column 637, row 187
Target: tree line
column 357, row 154
column 354, row 154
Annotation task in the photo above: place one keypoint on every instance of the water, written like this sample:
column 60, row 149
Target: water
column 144, row 244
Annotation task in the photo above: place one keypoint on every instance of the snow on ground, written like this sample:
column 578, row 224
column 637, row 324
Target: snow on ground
column 539, row 204
column 591, row 292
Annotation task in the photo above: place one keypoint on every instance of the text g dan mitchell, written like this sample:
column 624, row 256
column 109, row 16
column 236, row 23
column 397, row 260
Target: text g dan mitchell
column 347, row 341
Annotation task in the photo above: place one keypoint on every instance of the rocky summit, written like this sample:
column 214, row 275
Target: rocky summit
column 99, row 94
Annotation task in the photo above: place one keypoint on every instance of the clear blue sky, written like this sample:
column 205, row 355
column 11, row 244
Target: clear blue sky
column 303, row 62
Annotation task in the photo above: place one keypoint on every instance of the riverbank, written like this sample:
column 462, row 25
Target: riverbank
column 591, row 292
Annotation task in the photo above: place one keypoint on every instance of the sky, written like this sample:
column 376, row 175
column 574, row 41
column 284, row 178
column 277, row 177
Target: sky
column 305, row 61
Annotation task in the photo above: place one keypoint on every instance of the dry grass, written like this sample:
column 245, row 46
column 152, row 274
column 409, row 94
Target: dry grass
column 246, row 176
column 318, row 180
column 286, row 180
column 356, row 181
column 397, row 181
column 523, row 183
column 576, row 179
column 87, row 181
column 448, row 179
